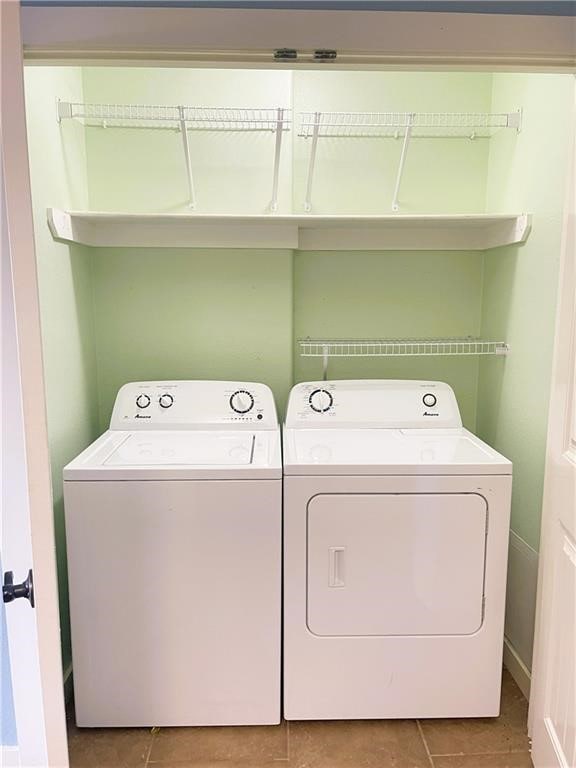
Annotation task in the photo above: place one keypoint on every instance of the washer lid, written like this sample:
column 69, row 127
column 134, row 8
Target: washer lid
column 179, row 455
column 144, row 449
column 389, row 452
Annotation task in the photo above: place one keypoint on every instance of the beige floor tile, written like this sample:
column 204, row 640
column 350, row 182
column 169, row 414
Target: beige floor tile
column 220, row 764
column 510, row 760
column 250, row 745
column 506, row 733
column 108, row 747
column 356, row 743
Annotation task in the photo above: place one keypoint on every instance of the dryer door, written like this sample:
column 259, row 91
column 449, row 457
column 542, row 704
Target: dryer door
column 396, row 564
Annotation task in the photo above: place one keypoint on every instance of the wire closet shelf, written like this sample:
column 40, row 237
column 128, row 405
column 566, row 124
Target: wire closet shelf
column 171, row 117
column 184, row 119
column 467, row 346
column 400, row 347
column 404, row 125
column 394, row 124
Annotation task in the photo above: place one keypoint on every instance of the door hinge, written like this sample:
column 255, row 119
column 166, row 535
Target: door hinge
column 285, row 54
column 325, row 54
column 11, row 591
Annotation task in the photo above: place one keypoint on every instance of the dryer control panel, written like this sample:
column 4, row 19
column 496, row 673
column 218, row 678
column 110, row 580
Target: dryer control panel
column 373, row 403
column 194, row 405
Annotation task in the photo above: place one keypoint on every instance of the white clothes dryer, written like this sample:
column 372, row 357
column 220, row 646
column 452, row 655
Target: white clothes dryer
column 395, row 547
column 173, row 530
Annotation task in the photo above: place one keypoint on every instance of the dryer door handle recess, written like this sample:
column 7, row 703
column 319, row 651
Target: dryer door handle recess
column 336, row 570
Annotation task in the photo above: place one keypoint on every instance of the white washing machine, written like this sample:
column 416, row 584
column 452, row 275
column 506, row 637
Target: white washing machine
column 173, row 530
column 395, row 546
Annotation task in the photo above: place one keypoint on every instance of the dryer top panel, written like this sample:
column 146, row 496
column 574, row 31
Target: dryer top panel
column 390, row 452
column 371, row 404
column 151, row 405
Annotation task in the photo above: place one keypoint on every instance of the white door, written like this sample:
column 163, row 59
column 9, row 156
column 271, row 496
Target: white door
column 553, row 699
column 32, row 637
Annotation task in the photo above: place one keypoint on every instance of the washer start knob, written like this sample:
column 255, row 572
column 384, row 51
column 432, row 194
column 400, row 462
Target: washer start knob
column 242, row 401
column 165, row 400
column 142, row 401
column 320, row 400
column 429, row 400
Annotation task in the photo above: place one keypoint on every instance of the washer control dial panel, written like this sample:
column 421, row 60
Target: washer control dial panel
column 242, row 401
column 194, row 405
column 373, row 403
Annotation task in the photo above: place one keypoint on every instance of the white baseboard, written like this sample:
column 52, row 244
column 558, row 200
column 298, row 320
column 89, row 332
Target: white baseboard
column 9, row 757
column 517, row 668
column 521, row 597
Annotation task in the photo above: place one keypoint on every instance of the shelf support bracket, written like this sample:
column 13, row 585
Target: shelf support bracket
column 316, row 131
column 277, row 151
column 186, row 147
column 407, row 136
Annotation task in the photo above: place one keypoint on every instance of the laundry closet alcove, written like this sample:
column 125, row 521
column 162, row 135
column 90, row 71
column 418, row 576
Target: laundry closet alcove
column 311, row 205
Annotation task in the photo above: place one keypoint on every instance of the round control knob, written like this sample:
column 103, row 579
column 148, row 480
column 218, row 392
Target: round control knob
column 241, row 401
column 429, row 400
column 142, row 401
column 165, row 400
column 320, row 400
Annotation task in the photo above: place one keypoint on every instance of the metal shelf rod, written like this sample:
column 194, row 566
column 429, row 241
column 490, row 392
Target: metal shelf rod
column 407, row 135
column 277, row 151
column 308, row 200
column 186, row 145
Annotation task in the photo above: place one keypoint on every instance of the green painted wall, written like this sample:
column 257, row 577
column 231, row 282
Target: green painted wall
column 58, row 170
column 357, row 175
column 143, row 170
column 519, row 304
column 371, row 295
column 526, row 173
column 192, row 315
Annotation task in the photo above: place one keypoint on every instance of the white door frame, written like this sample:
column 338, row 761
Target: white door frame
column 170, row 36
column 364, row 39
column 20, row 232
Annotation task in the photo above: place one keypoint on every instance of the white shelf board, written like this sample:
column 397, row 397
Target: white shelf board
column 476, row 232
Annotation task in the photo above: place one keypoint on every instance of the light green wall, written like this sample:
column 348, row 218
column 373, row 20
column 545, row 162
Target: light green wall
column 357, row 175
column 182, row 314
column 143, row 170
column 371, row 295
column 526, row 173
column 58, row 170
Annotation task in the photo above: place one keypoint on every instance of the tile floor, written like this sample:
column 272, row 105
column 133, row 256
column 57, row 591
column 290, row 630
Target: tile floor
column 487, row 743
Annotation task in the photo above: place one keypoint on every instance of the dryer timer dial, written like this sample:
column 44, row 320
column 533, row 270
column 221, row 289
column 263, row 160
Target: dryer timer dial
column 320, row 400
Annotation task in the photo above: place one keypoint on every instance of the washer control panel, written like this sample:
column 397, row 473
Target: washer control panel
column 194, row 405
column 373, row 404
